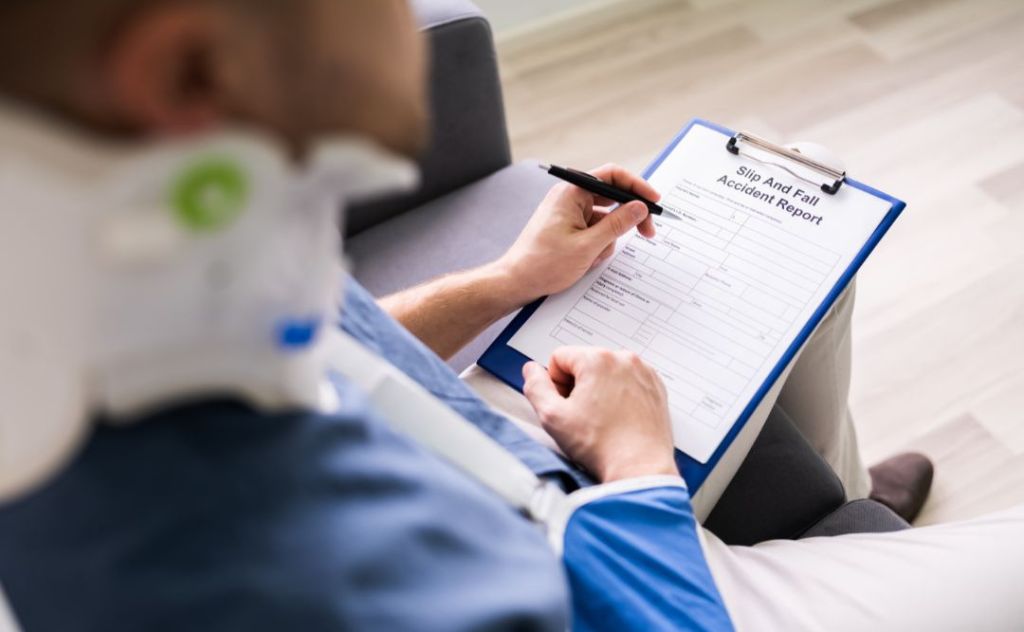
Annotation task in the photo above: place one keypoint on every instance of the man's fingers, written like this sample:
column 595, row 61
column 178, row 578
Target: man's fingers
column 617, row 223
column 541, row 391
column 625, row 179
column 572, row 362
column 646, row 227
column 606, row 254
column 563, row 379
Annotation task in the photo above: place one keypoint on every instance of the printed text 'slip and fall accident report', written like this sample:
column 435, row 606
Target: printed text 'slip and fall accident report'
column 714, row 301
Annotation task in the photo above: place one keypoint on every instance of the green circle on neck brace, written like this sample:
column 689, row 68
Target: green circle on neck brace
column 210, row 194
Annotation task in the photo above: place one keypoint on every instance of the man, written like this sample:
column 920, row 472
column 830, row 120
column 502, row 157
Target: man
column 210, row 514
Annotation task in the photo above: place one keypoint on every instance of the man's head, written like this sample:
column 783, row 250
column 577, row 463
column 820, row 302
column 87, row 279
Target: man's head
column 295, row 68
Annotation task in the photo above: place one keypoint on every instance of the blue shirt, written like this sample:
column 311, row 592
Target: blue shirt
column 213, row 516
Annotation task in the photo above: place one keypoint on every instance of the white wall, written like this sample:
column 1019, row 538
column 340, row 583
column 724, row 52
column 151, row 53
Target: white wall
column 508, row 15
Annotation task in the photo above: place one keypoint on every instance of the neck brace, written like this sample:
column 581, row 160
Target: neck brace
column 136, row 277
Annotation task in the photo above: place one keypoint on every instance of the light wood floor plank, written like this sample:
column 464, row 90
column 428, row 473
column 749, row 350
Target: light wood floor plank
column 1007, row 187
column 979, row 475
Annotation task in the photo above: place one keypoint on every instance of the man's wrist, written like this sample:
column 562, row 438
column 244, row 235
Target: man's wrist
column 507, row 284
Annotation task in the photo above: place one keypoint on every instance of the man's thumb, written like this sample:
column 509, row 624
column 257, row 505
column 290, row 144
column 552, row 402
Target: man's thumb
column 540, row 390
column 622, row 220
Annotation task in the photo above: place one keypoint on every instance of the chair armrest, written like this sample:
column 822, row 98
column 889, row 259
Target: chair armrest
column 469, row 137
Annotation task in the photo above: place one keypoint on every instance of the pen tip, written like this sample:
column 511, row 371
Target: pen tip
column 544, row 166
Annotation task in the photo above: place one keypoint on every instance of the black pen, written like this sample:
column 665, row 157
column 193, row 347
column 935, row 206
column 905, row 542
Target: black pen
column 595, row 185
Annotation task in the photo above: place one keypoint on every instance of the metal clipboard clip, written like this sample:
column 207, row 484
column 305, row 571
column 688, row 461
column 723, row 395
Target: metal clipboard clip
column 830, row 178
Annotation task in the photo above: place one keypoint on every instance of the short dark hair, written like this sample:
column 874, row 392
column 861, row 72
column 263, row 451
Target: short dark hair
column 41, row 41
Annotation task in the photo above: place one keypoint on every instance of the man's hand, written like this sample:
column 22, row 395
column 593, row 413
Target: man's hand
column 572, row 231
column 607, row 410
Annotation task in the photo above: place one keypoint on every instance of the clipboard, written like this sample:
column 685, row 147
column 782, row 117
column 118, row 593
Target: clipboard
column 505, row 362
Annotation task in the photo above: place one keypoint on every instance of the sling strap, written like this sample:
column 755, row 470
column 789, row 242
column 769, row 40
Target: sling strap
column 413, row 411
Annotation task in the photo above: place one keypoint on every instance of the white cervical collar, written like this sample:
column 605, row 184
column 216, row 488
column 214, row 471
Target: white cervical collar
column 134, row 278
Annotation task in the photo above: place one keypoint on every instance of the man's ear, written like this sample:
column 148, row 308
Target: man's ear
column 163, row 68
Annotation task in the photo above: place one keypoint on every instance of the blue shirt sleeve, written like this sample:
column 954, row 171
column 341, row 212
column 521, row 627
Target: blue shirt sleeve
column 634, row 562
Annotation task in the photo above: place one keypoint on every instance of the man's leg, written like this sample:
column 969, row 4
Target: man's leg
column 960, row 576
column 816, row 394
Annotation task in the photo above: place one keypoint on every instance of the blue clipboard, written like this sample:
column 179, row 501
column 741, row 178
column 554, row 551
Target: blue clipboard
column 506, row 363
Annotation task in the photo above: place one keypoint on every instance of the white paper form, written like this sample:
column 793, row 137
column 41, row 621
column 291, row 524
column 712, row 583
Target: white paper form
column 714, row 300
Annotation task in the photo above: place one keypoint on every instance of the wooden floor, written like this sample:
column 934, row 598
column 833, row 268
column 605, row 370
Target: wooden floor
column 923, row 99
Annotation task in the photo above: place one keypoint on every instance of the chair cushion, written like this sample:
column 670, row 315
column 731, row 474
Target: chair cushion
column 468, row 227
